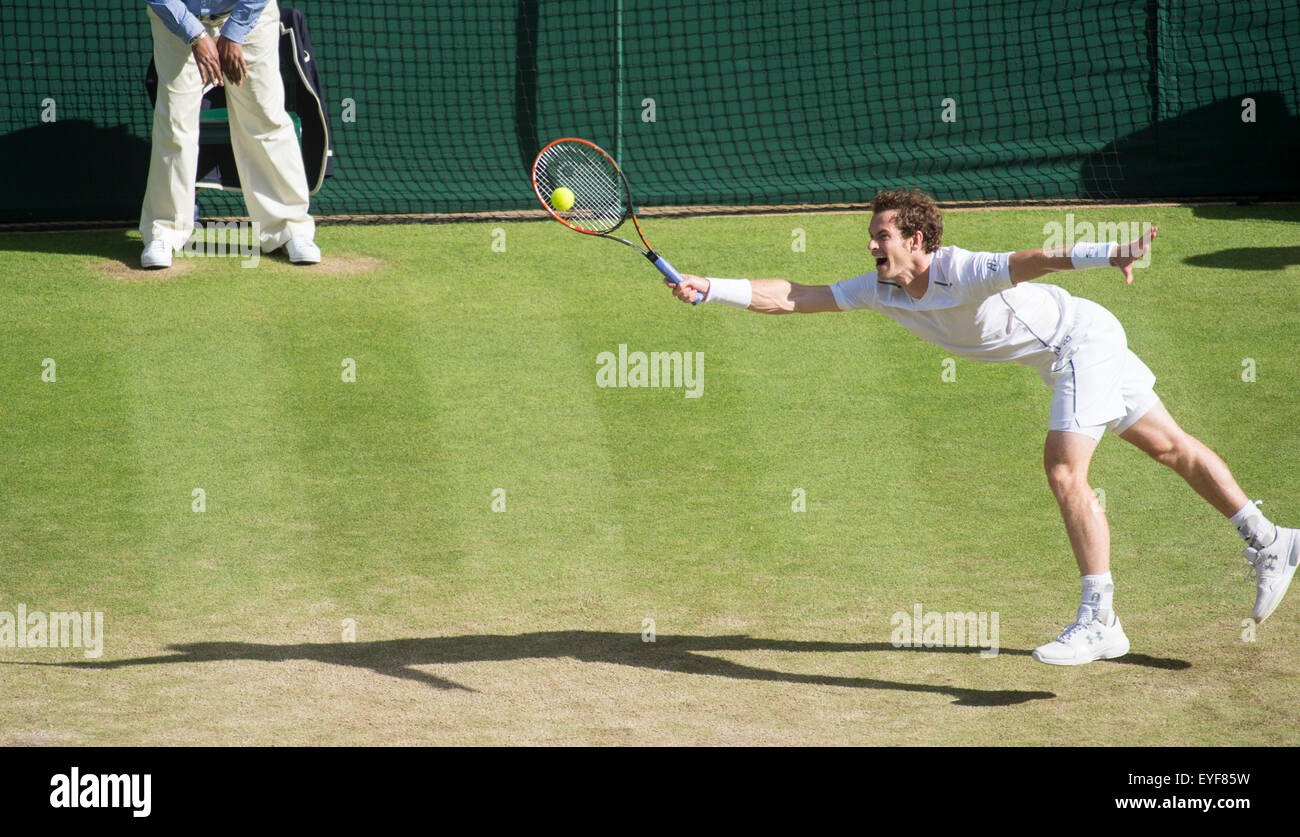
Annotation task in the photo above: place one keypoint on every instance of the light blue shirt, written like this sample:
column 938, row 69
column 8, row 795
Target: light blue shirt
column 182, row 16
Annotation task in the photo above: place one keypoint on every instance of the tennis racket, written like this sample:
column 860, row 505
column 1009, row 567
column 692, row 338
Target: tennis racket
column 602, row 200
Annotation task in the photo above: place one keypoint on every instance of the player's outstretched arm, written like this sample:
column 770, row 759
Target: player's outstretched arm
column 766, row 296
column 1027, row 265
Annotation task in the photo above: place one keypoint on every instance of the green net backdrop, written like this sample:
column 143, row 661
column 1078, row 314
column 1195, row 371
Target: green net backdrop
column 439, row 107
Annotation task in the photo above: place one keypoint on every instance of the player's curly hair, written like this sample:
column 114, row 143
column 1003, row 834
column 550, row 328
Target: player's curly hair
column 917, row 212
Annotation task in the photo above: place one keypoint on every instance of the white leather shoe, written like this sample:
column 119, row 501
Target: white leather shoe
column 1086, row 640
column 1273, row 567
column 302, row 251
column 157, row 254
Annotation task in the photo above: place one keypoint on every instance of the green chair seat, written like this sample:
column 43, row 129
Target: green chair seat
column 214, row 126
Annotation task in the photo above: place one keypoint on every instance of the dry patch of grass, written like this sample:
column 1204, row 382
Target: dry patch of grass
column 131, row 273
column 342, row 264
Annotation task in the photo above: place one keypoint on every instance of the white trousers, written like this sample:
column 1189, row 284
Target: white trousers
column 262, row 136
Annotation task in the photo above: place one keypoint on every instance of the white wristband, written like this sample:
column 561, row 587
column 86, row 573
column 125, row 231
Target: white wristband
column 736, row 292
column 1089, row 254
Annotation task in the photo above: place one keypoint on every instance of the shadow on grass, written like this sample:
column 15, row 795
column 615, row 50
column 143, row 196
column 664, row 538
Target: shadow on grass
column 1248, row 258
column 684, row 654
column 1249, row 212
column 114, row 245
column 1144, row 660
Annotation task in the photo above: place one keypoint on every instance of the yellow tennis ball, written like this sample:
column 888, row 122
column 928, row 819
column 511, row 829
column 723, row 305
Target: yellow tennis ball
column 562, row 198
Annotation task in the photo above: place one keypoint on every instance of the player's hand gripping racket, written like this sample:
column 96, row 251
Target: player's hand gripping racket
column 579, row 170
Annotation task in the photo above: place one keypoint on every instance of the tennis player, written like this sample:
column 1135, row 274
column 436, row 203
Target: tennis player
column 983, row 306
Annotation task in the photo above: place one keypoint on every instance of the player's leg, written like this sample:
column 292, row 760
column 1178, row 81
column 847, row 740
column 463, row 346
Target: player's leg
column 1160, row 437
column 271, row 170
column 1066, row 457
column 1096, row 632
column 167, row 214
column 1273, row 551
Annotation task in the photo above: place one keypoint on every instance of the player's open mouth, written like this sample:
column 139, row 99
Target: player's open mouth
column 880, row 262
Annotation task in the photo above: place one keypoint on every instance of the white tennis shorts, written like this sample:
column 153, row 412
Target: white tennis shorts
column 1100, row 384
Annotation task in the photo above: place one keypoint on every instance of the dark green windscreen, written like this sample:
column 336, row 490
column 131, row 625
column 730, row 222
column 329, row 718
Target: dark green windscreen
column 439, row 107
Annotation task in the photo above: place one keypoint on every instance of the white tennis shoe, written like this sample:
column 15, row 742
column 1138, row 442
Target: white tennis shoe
column 1086, row 640
column 157, row 254
column 302, row 251
column 1273, row 567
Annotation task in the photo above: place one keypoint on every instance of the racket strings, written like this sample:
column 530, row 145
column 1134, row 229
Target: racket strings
column 598, row 197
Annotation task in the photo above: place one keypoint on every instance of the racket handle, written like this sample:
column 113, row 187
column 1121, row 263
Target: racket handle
column 669, row 271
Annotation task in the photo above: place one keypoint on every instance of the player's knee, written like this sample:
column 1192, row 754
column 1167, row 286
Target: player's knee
column 1172, row 450
column 1066, row 479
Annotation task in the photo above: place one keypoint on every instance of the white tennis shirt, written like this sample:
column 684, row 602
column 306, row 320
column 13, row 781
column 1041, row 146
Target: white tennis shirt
column 971, row 309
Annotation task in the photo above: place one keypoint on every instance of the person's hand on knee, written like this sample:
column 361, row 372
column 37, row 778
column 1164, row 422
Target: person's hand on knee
column 206, row 55
column 232, row 60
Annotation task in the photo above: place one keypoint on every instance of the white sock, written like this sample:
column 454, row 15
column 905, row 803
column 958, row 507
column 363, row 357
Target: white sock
column 1254, row 528
column 1099, row 594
